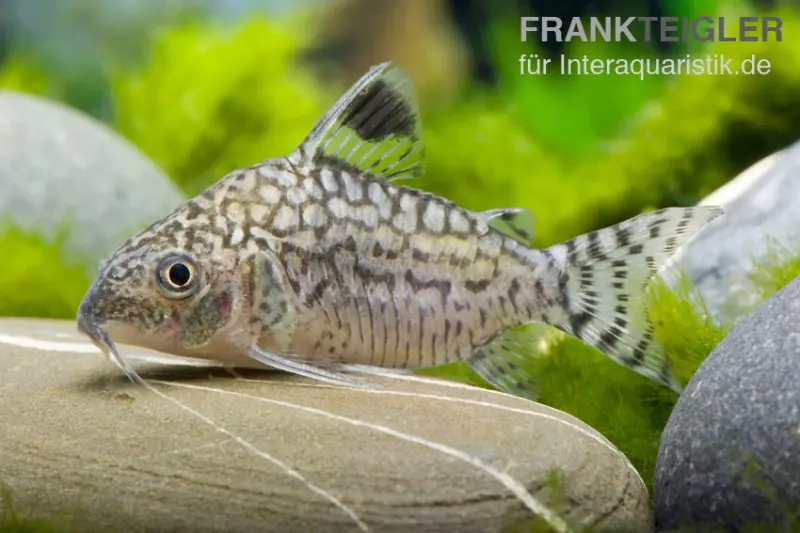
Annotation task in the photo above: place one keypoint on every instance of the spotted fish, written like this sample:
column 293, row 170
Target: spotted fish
column 321, row 260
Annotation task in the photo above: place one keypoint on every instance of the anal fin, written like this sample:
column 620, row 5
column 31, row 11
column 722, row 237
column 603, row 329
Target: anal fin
column 505, row 362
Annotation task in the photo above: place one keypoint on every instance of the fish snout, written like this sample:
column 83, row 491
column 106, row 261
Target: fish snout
column 87, row 321
column 90, row 321
column 93, row 326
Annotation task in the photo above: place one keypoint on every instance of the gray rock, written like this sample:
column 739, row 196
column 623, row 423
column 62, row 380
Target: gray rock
column 730, row 453
column 762, row 202
column 280, row 453
column 62, row 169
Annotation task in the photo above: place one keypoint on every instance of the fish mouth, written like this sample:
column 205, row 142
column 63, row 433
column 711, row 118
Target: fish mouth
column 93, row 329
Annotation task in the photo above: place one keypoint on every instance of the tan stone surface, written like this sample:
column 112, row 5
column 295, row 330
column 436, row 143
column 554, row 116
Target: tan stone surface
column 280, row 453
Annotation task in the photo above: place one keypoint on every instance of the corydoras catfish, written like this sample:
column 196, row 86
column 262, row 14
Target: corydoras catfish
column 320, row 260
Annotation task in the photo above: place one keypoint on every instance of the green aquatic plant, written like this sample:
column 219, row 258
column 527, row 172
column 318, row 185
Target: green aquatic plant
column 12, row 520
column 212, row 99
column 38, row 279
column 21, row 74
column 766, row 277
column 26, row 72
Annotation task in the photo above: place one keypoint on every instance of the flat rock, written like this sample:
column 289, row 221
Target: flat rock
column 730, row 453
column 270, row 452
column 61, row 169
column 761, row 204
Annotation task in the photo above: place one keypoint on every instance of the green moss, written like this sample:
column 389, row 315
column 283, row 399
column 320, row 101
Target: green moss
column 683, row 326
column 14, row 521
column 213, row 99
column 768, row 279
column 38, row 281
column 20, row 73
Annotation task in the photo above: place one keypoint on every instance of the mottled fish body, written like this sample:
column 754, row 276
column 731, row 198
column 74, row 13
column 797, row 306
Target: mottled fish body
column 321, row 259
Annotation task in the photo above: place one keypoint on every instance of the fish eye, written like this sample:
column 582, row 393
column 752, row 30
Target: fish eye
column 177, row 276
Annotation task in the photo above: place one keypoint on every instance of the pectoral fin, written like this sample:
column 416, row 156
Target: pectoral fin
column 304, row 368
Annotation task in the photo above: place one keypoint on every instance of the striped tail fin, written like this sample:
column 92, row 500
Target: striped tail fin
column 607, row 272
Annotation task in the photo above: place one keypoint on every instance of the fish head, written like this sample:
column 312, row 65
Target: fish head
column 172, row 288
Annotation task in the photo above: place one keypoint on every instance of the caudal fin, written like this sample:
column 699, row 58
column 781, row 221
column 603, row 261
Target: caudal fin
column 607, row 272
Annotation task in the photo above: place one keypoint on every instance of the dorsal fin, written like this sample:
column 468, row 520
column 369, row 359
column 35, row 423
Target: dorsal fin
column 514, row 222
column 373, row 128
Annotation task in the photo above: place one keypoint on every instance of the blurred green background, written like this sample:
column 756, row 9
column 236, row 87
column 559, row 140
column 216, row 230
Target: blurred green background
column 205, row 87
